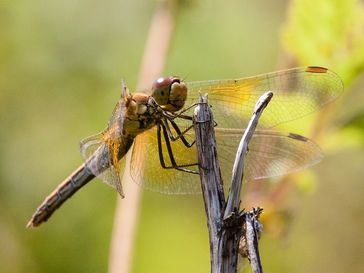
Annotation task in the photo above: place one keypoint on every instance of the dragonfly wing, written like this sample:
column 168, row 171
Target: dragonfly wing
column 146, row 168
column 97, row 157
column 270, row 153
column 116, row 122
column 104, row 152
column 111, row 176
column 89, row 145
column 297, row 92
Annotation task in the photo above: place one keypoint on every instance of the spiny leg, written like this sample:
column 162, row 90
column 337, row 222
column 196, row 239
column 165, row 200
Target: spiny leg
column 181, row 115
column 187, row 117
column 174, row 165
column 160, row 150
column 171, row 156
column 180, row 135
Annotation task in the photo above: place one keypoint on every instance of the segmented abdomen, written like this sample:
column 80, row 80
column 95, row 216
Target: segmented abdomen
column 65, row 190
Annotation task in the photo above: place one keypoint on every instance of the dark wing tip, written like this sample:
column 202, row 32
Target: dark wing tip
column 337, row 82
column 316, row 69
column 314, row 146
column 298, row 137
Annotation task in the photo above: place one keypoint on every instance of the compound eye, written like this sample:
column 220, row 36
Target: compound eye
column 162, row 82
column 161, row 89
column 177, row 95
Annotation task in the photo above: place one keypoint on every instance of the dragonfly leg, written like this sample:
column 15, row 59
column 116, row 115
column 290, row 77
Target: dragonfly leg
column 174, row 165
column 168, row 116
column 187, row 117
column 180, row 134
column 181, row 115
column 171, row 116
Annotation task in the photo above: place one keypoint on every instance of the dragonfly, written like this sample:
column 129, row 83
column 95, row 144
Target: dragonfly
column 157, row 124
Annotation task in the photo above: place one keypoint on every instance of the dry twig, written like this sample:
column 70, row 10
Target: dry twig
column 224, row 220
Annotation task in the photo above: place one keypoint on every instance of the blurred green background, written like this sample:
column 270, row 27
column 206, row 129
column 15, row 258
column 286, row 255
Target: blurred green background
column 60, row 70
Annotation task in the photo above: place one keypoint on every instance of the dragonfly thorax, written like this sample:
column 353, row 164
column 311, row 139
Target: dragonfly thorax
column 170, row 93
column 140, row 115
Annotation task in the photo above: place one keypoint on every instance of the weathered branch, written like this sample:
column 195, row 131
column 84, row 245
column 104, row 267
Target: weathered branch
column 238, row 168
column 252, row 235
column 224, row 220
column 210, row 175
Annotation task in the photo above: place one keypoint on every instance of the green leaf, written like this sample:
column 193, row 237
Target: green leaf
column 328, row 33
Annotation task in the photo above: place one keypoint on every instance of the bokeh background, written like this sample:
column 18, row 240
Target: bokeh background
column 60, row 68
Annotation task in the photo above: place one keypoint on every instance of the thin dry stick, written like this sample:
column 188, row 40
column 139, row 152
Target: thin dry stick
column 252, row 236
column 224, row 219
column 126, row 217
column 238, row 168
column 211, row 182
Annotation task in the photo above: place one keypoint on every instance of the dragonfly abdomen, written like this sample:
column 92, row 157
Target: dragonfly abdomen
column 64, row 191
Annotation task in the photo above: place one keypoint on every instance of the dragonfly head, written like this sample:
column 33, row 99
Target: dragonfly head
column 170, row 93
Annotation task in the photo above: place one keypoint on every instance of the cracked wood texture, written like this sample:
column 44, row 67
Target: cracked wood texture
column 223, row 242
column 224, row 220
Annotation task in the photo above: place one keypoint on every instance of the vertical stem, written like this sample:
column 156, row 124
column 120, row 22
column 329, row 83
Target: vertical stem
column 224, row 220
column 211, row 182
column 252, row 243
column 126, row 217
column 233, row 202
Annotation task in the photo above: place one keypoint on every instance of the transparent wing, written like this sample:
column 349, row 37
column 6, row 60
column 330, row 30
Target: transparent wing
column 116, row 122
column 89, row 145
column 270, row 154
column 297, row 92
column 147, row 170
column 97, row 157
column 104, row 152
